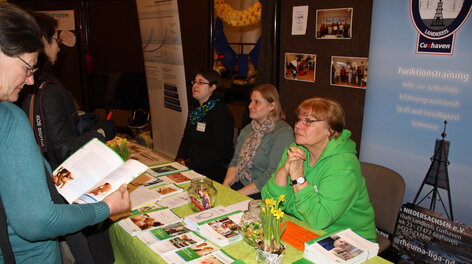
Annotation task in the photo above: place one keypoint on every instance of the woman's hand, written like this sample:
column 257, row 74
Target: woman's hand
column 293, row 164
column 118, row 201
column 230, row 177
column 295, row 159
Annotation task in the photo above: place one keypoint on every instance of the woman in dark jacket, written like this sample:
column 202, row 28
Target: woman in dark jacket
column 55, row 104
column 58, row 137
column 207, row 143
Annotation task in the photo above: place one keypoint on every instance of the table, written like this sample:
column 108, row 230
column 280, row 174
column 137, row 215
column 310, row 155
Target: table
column 130, row 249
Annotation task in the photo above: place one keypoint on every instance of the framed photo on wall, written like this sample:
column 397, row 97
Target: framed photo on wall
column 300, row 67
column 334, row 23
column 349, row 71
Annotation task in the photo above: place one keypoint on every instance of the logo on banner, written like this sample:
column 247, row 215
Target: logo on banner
column 437, row 21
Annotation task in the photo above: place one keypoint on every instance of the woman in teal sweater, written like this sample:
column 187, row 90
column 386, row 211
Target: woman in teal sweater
column 321, row 175
column 33, row 221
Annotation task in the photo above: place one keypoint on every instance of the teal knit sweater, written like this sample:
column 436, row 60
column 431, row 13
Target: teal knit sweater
column 34, row 221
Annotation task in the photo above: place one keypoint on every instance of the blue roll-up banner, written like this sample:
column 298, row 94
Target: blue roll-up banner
column 418, row 118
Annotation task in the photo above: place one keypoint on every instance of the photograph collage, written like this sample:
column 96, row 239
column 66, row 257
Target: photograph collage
column 346, row 71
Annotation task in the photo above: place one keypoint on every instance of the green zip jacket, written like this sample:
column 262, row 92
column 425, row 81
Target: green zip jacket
column 336, row 198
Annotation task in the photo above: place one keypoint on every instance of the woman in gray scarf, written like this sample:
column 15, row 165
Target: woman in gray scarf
column 260, row 144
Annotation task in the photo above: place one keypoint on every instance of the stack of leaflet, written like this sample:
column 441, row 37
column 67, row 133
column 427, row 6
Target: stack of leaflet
column 177, row 244
column 146, row 195
column 160, row 182
column 202, row 253
column 219, row 225
column 340, row 247
column 151, row 237
column 150, row 189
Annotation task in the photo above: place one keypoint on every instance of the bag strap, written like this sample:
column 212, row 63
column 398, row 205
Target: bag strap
column 36, row 117
column 7, row 251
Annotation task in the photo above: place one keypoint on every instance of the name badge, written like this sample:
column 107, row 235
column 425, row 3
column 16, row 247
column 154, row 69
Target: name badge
column 201, row 127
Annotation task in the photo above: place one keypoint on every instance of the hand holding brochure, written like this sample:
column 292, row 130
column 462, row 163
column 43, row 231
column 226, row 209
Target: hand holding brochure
column 93, row 172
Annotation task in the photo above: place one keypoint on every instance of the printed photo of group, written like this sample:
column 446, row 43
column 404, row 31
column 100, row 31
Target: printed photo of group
column 349, row 71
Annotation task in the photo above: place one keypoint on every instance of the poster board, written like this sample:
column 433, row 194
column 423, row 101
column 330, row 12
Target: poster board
column 165, row 74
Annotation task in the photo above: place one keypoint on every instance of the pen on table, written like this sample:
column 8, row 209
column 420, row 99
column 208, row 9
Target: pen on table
column 109, row 115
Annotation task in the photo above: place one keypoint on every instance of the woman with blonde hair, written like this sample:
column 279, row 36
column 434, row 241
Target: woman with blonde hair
column 260, row 144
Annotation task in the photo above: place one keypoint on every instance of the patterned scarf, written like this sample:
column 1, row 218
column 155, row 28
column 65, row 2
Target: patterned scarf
column 248, row 149
column 200, row 112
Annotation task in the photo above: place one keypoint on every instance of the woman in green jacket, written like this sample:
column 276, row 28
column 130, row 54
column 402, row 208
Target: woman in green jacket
column 321, row 175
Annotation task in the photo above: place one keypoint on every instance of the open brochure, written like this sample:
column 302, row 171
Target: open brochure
column 340, row 247
column 93, row 172
column 136, row 224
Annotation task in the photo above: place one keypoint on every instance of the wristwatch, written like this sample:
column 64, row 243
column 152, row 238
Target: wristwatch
column 299, row 180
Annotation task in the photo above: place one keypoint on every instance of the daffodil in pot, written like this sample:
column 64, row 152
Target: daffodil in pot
column 271, row 249
column 120, row 146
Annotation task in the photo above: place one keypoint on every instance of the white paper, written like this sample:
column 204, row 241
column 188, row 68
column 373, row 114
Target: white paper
column 175, row 201
column 299, row 20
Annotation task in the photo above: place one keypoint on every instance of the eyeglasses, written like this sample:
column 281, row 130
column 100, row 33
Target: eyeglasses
column 307, row 122
column 199, row 82
column 30, row 70
column 58, row 41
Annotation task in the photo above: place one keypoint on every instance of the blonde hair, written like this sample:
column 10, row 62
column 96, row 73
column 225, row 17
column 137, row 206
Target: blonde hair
column 270, row 94
column 324, row 109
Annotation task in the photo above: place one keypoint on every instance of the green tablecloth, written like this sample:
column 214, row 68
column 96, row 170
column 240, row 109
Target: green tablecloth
column 130, row 249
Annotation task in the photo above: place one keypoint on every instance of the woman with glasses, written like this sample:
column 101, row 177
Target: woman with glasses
column 260, row 144
column 320, row 173
column 207, row 143
column 55, row 104
column 33, row 221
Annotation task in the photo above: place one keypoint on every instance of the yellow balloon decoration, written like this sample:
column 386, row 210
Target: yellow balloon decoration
column 238, row 18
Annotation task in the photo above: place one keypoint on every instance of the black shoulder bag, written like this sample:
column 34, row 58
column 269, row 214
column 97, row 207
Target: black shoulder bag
column 36, row 117
column 7, row 251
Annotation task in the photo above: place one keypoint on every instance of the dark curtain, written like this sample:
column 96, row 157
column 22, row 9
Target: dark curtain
column 269, row 53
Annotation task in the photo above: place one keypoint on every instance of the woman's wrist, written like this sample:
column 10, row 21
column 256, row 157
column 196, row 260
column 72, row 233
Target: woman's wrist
column 297, row 175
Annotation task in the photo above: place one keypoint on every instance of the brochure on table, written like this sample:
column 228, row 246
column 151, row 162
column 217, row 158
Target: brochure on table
column 181, row 177
column 219, row 226
column 340, row 247
column 146, row 195
column 167, row 168
column 136, row 224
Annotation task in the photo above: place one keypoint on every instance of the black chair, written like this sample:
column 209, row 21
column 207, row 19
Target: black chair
column 386, row 189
